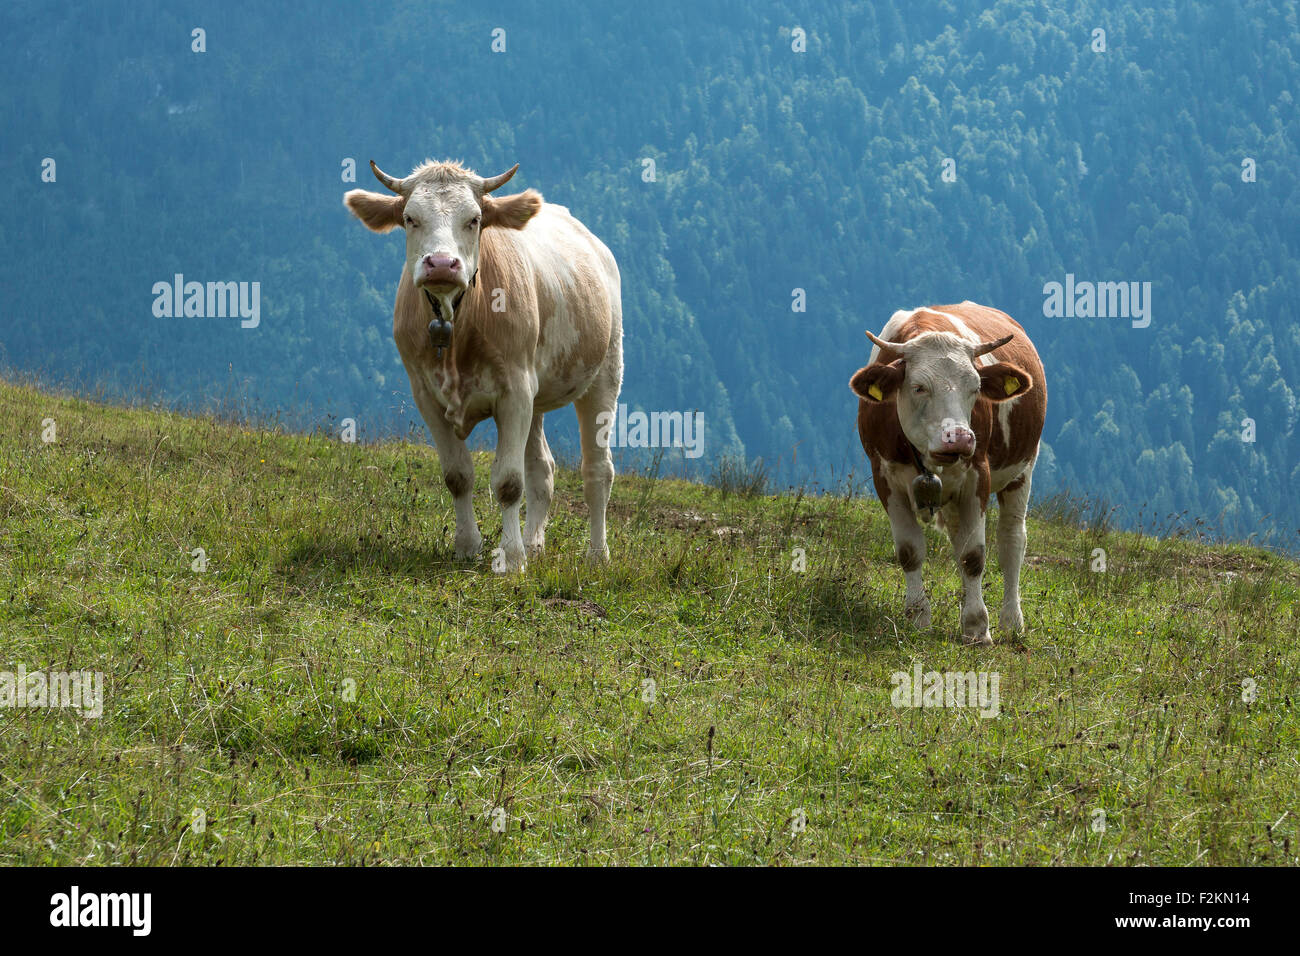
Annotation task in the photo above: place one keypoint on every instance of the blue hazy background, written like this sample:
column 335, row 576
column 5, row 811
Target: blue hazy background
column 1124, row 158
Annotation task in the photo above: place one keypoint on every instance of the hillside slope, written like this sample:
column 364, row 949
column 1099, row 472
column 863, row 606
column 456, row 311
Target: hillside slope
column 228, row 734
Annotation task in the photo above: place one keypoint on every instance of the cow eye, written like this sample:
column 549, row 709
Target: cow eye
column 410, row 222
column 919, row 389
column 473, row 223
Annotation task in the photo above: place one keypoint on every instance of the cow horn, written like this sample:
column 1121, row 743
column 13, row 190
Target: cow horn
column 990, row 346
column 896, row 346
column 496, row 182
column 394, row 184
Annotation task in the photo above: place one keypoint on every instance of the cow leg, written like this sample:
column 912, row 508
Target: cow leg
column 597, row 462
column 514, row 416
column 457, row 473
column 539, row 484
column 909, row 548
column 1013, row 504
column 964, row 522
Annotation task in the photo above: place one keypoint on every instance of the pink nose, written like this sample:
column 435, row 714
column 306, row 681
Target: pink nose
column 956, row 440
column 439, row 268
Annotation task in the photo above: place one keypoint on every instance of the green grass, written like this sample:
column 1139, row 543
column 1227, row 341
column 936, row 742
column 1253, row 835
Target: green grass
column 331, row 563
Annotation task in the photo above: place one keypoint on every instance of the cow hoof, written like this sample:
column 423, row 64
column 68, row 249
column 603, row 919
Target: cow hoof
column 467, row 548
column 1011, row 620
column 537, row 544
column 918, row 614
column 975, row 628
column 506, row 561
column 598, row 555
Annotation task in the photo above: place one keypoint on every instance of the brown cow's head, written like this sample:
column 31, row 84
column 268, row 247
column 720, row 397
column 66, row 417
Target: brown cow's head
column 443, row 207
column 935, row 384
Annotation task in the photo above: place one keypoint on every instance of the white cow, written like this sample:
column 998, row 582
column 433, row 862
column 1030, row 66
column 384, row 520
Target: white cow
column 508, row 307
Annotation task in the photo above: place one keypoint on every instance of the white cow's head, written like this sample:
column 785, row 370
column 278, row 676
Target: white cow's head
column 934, row 386
column 444, row 207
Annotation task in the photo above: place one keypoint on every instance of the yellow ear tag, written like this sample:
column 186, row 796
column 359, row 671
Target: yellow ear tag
column 875, row 392
column 1011, row 384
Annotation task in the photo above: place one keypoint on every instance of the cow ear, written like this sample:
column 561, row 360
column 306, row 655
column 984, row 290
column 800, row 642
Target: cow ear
column 878, row 383
column 1004, row 380
column 511, row 212
column 377, row 211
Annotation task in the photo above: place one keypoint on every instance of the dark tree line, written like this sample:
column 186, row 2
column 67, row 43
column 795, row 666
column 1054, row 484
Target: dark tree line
column 775, row 170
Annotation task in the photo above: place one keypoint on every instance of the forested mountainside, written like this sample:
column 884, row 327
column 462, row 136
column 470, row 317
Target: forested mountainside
column 814, row 169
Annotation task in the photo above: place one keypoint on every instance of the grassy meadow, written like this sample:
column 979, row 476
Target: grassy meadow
column 333, row 688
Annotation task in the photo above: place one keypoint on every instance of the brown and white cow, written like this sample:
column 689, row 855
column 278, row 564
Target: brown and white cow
column 956, row 392
column 507, row 307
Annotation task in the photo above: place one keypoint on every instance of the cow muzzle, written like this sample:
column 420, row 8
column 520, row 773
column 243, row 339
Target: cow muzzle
column 955, row 441
column 441, row 273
